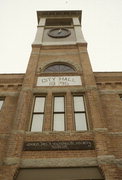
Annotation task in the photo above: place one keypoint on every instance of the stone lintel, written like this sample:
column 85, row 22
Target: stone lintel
column 108, row 91
column 115, row 133
column 100, row 129
column 8, row 93
column 59, row 162
column 106, row 159
column 64, row 162
column 119, row 162
column 11, row 161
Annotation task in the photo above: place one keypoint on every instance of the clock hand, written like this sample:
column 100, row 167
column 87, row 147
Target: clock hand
column 59, row 31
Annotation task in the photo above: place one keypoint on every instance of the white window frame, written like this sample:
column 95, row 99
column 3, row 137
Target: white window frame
column 40, row 120
column 58, row 112
column 82, row 124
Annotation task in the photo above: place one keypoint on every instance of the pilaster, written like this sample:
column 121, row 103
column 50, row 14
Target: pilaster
column 40, row 30
column 78, row 32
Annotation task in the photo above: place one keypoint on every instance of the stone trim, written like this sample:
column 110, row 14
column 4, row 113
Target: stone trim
column 100, row 129
column 63, row 162
column 119, row 162
column 5, row 93
column 78, row 89
column 108, row 91
column 58, row 54
column 106, row 159
column 18, row 132
column 12, row 161
column 69, row 133
column 59, row 90
column 52, row 45
column 58, row 162
column 4, row 136
column 115, row 133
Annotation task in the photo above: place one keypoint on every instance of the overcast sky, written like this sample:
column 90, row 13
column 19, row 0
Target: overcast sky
column 101, row 24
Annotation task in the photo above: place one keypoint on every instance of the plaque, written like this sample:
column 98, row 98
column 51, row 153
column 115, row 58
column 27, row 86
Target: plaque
column 59, row 81
column 58, row 145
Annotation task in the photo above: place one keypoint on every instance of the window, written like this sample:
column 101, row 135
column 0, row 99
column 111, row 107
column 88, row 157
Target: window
column 58, row 114
column 59, row 68
column 38, row 114
column 79, row 113
column 1, row 102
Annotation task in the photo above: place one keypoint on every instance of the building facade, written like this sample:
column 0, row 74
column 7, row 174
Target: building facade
column 60, row 120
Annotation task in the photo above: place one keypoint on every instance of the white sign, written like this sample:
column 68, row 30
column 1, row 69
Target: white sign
column 59, row 81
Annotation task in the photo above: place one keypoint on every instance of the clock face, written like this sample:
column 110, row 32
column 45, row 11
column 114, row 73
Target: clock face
column 59, row 33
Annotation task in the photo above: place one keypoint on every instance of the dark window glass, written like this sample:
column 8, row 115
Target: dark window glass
column 81, row 173
column 59, row 68
column 59, row 22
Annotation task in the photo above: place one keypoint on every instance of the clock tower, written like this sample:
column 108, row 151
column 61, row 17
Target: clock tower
column 59, row 25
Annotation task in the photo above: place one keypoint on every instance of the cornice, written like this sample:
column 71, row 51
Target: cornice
column 57, row 14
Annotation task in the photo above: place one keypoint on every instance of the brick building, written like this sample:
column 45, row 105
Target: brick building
column 60, row 120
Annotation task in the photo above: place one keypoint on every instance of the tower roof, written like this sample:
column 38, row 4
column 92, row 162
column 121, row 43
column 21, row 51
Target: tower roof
column 73, row 13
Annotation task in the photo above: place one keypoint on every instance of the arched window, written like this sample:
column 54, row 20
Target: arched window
column 58, row 68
